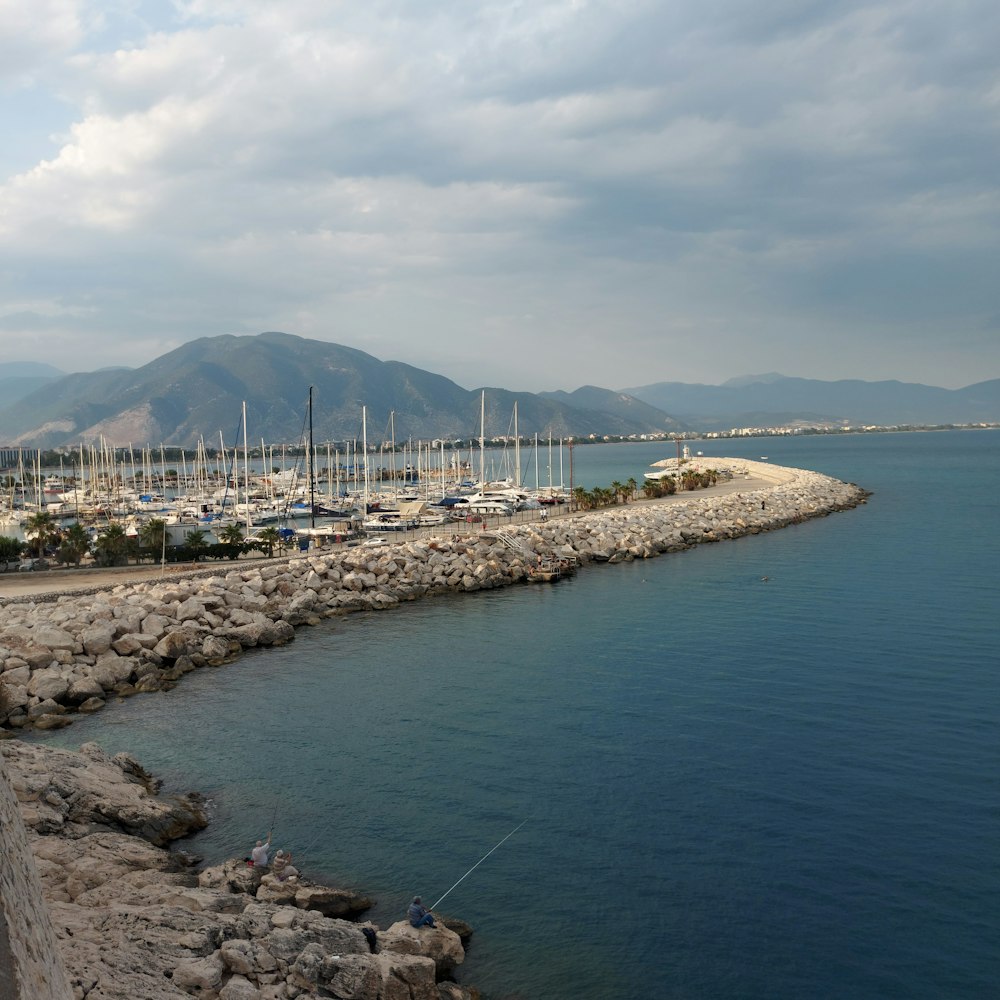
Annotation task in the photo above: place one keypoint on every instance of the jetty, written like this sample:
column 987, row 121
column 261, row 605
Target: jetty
column 70, row 651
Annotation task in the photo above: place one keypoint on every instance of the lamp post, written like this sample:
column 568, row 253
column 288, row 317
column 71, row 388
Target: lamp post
column 571, row 494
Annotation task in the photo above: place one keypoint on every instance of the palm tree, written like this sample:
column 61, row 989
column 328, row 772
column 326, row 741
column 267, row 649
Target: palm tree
column 269, row 537
column 633, row 486
column 112, row 546
column 618, row 491
column 153, row 536
column 196, row 540
column 43, row 529
column 75, row 544
column 232, row 536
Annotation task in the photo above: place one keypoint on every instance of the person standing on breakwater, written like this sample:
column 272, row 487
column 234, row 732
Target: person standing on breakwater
column 419, row 915
column 259, row 855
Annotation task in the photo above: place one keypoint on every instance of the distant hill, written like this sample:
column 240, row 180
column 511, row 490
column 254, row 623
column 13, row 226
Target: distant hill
column 198, row 390
column 627, row 408
column 14, row 389
column 776, row 400
column 21, row 378
column 28, row 369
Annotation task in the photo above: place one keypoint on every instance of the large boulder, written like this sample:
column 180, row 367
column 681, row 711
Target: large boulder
column 174, row 644
column 99, row 792
column 438, row 943
column 83, row 688
column 214, row 648
column 201, row 974
column 111, row 669
column 55, row 638
column 331, row 902
column 48, row 683
column 98, row 637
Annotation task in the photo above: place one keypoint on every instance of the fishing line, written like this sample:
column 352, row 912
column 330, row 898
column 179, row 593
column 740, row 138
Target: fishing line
column 480, row 861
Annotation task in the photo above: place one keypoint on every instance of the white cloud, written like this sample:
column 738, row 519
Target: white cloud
column 355, row 171
column 33, row 33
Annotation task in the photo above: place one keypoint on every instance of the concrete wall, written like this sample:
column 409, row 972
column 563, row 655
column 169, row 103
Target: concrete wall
column 31, row 966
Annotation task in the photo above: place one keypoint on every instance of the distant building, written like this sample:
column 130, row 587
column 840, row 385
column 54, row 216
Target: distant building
column 11, row 458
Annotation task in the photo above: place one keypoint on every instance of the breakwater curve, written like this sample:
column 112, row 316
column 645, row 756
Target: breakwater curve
column 72, row 652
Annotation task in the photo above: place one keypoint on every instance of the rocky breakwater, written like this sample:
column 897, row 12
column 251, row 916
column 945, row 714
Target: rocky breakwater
column 647, row 529
column 74, row 652
column 133, row 920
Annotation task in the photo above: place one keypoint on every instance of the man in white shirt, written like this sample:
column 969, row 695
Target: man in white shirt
column 259, row 855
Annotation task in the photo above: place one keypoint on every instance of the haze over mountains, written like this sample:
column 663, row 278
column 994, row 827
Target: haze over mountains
column 199, row 389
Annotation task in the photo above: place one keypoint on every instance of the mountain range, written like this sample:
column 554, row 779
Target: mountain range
column 198, row 390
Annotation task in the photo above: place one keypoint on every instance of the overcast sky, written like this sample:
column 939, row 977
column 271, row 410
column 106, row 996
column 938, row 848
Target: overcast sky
column 534, row 195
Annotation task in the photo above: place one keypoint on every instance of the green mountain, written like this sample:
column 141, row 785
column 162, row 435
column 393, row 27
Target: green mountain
column 197, row 392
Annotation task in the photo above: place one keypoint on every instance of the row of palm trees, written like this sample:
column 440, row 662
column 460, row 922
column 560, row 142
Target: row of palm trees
column 616, row 493
column 113, row 546
column 605, row 496
column 691, row 479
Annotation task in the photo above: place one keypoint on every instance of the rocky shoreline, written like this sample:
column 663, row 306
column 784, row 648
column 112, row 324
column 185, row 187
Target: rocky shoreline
column 72, row 652
column 134, row 921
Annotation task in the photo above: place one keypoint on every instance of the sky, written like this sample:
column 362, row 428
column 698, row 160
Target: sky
column 533, row 195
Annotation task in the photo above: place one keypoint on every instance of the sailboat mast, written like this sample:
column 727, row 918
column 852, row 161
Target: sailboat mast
column 482, row 440
column 517, row 450
column 312, row 462
column 246, row 467
column 364, row 448
column 392, row 455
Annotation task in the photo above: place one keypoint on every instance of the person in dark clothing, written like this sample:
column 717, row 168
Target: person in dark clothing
column 371, row 936
column 419, row 915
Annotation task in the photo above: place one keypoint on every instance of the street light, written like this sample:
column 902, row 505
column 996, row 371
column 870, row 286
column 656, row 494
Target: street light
column 570, row 441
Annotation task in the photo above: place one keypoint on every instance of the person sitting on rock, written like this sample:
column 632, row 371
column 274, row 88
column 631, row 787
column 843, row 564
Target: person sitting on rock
column 283, row 869
column 259, row 855
column 419, row 915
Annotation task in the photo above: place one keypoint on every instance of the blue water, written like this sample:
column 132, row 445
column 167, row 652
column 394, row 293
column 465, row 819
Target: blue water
column 733, row 787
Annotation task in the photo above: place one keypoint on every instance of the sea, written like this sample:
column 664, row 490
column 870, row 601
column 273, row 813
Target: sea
column 766, row 768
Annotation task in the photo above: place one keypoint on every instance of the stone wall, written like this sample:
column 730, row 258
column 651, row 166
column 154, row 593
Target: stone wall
column 31, row 966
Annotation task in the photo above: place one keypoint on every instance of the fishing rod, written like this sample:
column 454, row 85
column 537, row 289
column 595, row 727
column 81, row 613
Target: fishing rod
column 312, row 843
column 480, row 861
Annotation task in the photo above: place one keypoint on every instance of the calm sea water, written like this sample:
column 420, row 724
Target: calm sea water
column 733, row 787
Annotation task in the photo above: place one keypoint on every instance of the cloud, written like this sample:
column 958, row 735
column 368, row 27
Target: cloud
column 678, row 180
column 33, row 34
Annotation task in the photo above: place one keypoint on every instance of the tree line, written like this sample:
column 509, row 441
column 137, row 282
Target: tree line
column 618, row 493
column 69, row 545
